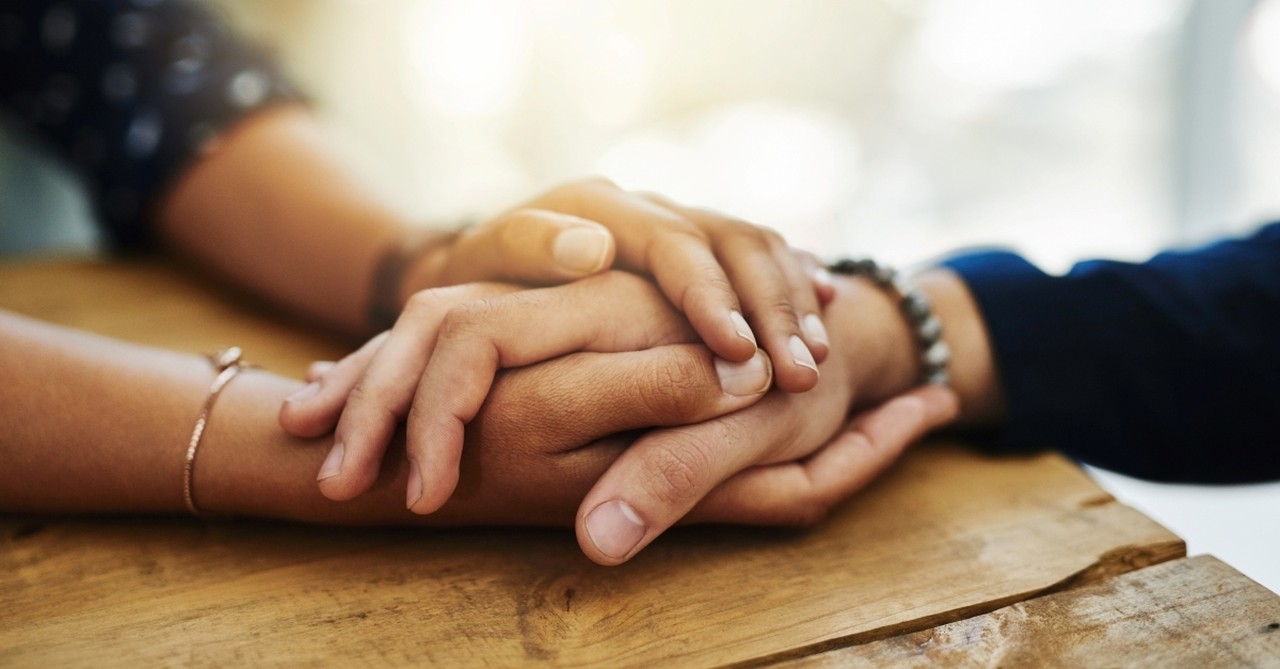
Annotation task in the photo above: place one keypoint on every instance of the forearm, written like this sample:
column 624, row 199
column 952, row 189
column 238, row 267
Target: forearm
column 91, row 424
column 95, row 425
column 275, row 208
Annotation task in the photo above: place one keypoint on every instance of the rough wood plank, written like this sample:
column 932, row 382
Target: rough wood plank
column 1186, row 613
column 946, row 535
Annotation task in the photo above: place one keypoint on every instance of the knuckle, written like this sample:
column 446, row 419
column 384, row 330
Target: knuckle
column 466, row 321
column 359, row 394
column 780, row 307
column 368, row 405
column 418, row 413
column 771, row 237
column 670, row 386
column 741, row 230
column 677, row 468
column 507, row 227
column 578, row 190
column 423, row 302
column 674, row 232
column 597, row 181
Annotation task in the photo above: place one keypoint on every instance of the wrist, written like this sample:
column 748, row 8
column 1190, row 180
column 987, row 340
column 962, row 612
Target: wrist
column 249, row 466
column 882, row 354
column 973, row 370
column 873, row 340
column 411, row 263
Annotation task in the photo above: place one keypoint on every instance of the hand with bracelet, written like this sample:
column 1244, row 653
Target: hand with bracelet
column 775, row 462
column 540, row 444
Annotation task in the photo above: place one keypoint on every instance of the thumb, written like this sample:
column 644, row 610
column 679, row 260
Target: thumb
column 530, row 245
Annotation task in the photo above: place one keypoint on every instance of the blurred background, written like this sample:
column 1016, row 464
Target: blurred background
column 905, row 127
column 896, row 128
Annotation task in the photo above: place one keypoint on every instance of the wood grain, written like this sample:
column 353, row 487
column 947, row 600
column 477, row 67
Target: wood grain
column 1197, row 612
column 946, row 535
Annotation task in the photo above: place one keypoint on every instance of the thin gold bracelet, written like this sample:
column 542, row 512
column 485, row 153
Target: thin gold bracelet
column 227, row 364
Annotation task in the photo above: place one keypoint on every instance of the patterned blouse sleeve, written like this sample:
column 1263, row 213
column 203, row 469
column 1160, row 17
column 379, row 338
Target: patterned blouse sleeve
column 128, row 92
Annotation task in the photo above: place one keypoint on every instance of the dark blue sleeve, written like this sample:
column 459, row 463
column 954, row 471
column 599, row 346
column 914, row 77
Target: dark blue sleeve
column 1167, row 370
column 127, row 92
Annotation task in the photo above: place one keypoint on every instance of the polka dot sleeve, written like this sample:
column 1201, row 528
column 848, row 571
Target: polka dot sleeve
column 128, row 92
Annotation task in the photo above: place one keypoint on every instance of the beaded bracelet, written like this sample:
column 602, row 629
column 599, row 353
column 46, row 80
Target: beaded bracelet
column 226, row 363
column 934, row 353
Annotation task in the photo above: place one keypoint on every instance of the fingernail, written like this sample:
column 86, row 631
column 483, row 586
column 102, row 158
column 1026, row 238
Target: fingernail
column 800, row 353
column 822, row 276
column 333, row 463
column 582, row 249
column 319, row 368
column 415, row 486
column 939, row 404
column 304, row 393
column 615, row 528
column 740, row 326
column 744, row 378
column 813, row 327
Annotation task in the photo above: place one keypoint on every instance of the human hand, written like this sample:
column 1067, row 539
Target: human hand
column 436, row 367
column 511, row 476
column 779, row 461
column 540, row 441
column 731, row 279
column 583, row 409
column 543, row 437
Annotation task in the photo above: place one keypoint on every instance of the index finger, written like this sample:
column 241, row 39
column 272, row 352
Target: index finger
column 667, row 245
column 802, row 492
column 660, row 478
column 610, row 312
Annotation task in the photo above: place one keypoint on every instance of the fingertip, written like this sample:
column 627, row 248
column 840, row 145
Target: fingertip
column 584, row 248
column 317, row 369
column 346, row 472
column 427, row 492
column 729, row 337
column 738, row 323
column 749, row 379
column 795, row 369
column 796, row 379
column 304, row 394
column 941, row 404
column 815, row 334
column 332, row 465
column 300, row 417
column 433, row 474
column 612, row 532
column 335, row 489
column 824, row 285
column 413, row 490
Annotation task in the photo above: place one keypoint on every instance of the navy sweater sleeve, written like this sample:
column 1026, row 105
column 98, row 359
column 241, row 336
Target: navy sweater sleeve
column 127, row 92
column 1167, row 370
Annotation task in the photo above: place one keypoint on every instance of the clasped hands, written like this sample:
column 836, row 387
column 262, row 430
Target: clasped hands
column 709, row 376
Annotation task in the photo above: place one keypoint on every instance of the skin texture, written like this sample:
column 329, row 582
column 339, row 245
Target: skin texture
column 814, row 459
column 303, row 231
column 105, row 423
column 91, row 424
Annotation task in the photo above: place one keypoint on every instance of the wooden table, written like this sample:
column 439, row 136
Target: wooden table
column 951, row 559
